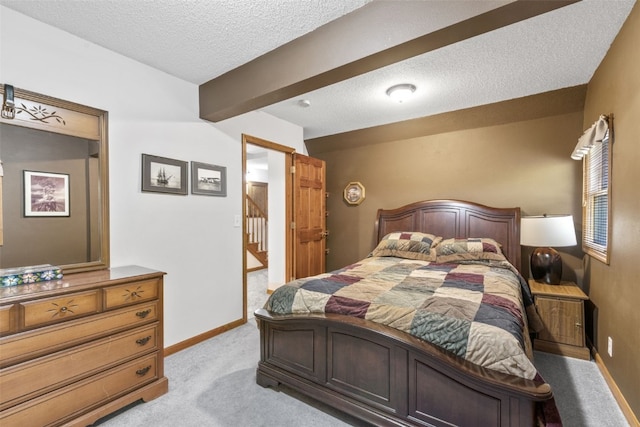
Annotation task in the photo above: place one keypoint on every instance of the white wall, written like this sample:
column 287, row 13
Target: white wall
column 191, row 238
column 277, row 218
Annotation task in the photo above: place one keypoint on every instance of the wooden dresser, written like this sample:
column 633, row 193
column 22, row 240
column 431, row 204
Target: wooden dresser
column 77, row 349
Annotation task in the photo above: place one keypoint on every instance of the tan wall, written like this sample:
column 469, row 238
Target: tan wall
column 615, row 289
column 522, row 163
column 45, row 240
column 525, row 163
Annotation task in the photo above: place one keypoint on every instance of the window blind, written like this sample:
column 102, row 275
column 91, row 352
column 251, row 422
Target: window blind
column 596, row 199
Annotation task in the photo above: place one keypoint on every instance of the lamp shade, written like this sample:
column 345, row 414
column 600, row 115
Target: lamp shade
column 547, row 230
column 543, row 232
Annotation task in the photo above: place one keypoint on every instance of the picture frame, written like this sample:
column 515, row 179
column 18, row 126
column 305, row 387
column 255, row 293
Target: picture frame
column 208, row 180
column 46, row 194
column 164, row 175
column 354, row 193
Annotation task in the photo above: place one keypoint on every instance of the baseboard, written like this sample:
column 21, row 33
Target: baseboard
column 617, row 394
column 202, row 337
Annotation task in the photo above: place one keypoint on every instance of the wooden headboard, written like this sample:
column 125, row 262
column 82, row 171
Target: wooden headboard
column 456, row 218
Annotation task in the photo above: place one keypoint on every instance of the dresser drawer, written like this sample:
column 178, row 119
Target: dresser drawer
column 70, row 401
column 28, row 345
column 5, row 319
column 131, row 293
column 53, row 310
column 31, row 379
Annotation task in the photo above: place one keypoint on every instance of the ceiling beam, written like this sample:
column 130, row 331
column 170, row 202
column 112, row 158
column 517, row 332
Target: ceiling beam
column 337, row 51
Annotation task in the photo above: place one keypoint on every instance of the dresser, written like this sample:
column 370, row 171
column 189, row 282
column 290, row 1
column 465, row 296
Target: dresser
column 561, row 308
column 77, row 349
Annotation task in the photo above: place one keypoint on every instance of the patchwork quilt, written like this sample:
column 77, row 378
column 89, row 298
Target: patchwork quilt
column 474, row 309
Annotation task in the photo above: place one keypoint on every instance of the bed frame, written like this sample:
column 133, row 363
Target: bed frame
column 385, row 376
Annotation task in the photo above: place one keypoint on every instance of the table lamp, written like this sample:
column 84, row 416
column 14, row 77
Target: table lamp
column 543, row 232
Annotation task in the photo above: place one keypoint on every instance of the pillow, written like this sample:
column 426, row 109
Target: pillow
column 469, row 249
column 408, row 244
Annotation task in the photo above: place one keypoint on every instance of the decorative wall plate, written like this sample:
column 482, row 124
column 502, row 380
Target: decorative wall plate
column 354, row 193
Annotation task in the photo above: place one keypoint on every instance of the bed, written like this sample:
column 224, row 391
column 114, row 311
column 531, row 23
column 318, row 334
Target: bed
column 390, row 361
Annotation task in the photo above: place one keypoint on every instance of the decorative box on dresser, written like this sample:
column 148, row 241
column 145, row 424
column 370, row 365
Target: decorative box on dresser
column 561, row 308
column 77, row 349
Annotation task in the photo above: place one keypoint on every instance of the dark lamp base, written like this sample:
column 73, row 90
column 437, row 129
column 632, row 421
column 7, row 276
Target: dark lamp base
column 546, row 266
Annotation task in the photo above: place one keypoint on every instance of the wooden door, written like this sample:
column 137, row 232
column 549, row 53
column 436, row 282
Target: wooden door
column 309, row 198
column 258, row 192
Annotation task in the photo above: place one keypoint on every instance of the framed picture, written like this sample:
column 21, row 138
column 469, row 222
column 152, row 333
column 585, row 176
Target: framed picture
column 46, row 194
column 354, row 193
column 209, row 180
column 163, row 175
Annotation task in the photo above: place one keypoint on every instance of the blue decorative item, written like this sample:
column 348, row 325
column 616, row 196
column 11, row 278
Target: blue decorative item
column 27, row 275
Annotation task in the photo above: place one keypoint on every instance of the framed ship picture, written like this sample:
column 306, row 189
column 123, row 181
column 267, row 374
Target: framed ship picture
column 163, row 175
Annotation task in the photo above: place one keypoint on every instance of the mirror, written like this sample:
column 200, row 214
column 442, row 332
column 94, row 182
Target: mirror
column 54, row 191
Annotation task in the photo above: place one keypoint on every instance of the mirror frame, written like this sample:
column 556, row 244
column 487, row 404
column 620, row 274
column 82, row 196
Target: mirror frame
column 69, row 118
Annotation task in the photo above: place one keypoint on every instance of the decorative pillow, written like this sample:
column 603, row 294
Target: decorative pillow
column 408, row 244
column 469, row 249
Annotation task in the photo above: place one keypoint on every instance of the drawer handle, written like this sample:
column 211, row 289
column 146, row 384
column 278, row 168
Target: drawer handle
column 142, row 372
column 62, row 310
column 143, row 341
column 132, row 295
column 143, row 314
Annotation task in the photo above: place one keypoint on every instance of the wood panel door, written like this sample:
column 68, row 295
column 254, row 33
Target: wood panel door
column 309, row 206
column 259, row 191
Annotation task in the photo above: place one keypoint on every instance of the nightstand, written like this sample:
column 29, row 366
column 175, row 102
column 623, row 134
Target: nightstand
column 561, row 308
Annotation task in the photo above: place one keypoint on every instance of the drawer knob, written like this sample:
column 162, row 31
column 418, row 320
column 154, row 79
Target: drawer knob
column 142, row 372
column 143, row 341
column 132, row 295
column 143, row 314
column 58, row 310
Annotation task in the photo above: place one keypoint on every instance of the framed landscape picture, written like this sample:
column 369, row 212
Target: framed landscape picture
column 209, row 180
column 46, row 194
column 163, row 175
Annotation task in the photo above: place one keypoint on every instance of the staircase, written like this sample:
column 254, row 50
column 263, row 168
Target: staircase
column 257, row 227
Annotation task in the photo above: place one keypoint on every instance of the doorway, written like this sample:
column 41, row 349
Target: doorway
column 266, row 164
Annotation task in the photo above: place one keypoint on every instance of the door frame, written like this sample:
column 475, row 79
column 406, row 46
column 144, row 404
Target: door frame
column 288, row 152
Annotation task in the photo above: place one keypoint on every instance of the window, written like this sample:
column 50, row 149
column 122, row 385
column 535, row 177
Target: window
column 596, row 200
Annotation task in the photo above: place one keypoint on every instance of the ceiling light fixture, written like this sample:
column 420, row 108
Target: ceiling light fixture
column 304, row 103
column 401, row 92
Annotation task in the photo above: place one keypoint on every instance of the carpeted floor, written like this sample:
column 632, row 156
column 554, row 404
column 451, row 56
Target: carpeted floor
column 212, row 384
column 256, row 290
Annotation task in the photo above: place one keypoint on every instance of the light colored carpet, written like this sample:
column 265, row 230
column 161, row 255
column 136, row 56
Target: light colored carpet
column 212, row 384
column 257, row 282
column 582, row 395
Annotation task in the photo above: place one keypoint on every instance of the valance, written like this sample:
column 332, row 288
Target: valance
column 590, row 137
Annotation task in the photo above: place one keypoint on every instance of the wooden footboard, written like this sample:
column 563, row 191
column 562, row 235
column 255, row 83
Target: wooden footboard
column 387, row 377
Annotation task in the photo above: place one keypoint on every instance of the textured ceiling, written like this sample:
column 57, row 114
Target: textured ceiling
column 195, row 40
column 198, row 40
